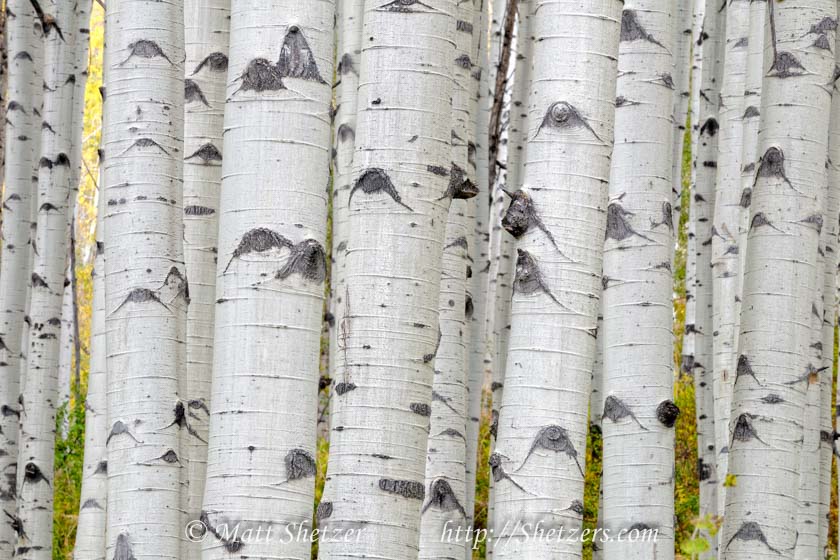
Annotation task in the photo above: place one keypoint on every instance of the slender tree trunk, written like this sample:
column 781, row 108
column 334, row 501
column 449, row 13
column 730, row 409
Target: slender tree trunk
column 347, row 73
column 206, row 47
column 704, row 169
column 398, row 208
column 727, row 220
column 21, row 154
column 638, row 413
column 40, row 393
column 773, row 360
column 66, row 341
column 272, row 265
column 145, row 279
column 90, row 532
column 539, row 461
column 681, row 73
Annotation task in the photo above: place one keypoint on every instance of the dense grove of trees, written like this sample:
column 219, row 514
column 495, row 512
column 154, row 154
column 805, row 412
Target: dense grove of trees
column 405, row 279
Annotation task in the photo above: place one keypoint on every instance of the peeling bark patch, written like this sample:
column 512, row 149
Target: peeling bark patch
column 207, row 153
column 122, row 548
column 214, row 62
column 632, row 30
column 750, row 531
column 145, row 48
column 667, row 413
column 297, row 59
column 618, row 227
column 441, row 497
column 522, row 215
column 375, row 180
column 195, row 210
column 406, row 7
column 344, row 387
column 421, row 409
column 299, row 464
column 528, row 278
column 553, row 438
column 616, row 410
column 564, row 116
column 259, row 76
column 308, row 259
column 405, row 488
column 33, row 475
column 192, row 92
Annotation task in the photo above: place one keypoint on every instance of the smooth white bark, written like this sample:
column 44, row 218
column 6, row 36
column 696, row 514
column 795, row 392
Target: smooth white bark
column 22, row 147
column 638, row 411
column 145, row 280
column 398, row 209
column 779, row 283
column 539, row 460
column 272, row 265
column 206, row 46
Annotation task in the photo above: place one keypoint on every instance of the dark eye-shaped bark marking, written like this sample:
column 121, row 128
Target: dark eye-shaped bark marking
column 815, row 219
column 193, row 93
column 553, row 438
column 464, row 62
column 406, row 488
column 405, row 6
column 617, row 410
column 822, row 43
column 37, row 282
column 420, row 409
column 344, row 387
column 458, row 242
column 231, row 545
column 345, row 132
column 23, row 55
column 140, row 295
column 441, row 497
column 667, row 413
column 632, row 30
column 194, row 210
column 180, row 420
column 622, row 101
column 452, row 432
column 346, row 65
column 785, row 65
column 528, row 277
column 215, row 62
column 665, row 80
column 494, row 423
column 260, row 75
column 259, row 240
column 704, row 471
column 618, row 227
column 746, row 198
column 576, row 507
column 323, row 511
column 176, row 284
column 33, row 475
column 144, row 48
column 207, row 153
column 430, row 357
column 299, row 464
column 751, row 112
column 375, row 180
column 564, row 116
column 460, row 187
column 122, row 548
column 145, row 143
column 15, row 106
column 296, row 58
column 47, row 207
column 667, row 217
column 522, row 215
column 744, row 429
column 169, row 457
column 822, row 27
column 499, row 473
column 760, row 220
column 812, row 374
column 744, row 368
column 91, row 504
column 47, row 126
column 772, row 164
column 710, row 127
column 308, row 259
column 437, row 397
column 750, row 531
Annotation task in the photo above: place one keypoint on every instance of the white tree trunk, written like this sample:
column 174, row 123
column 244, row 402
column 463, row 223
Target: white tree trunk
column 638, row 411
column 681, row 73
column 398, row 208
column 726, row 223
column 206, row 47
column 539, row 460
column 272, row 265
column 66, row 343
column 21, row 156
column 145, row 279
column 40, row 393
column 773, row 358
column 90, row 532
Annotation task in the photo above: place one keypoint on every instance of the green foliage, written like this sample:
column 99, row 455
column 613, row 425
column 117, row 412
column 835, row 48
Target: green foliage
column 69, row 452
